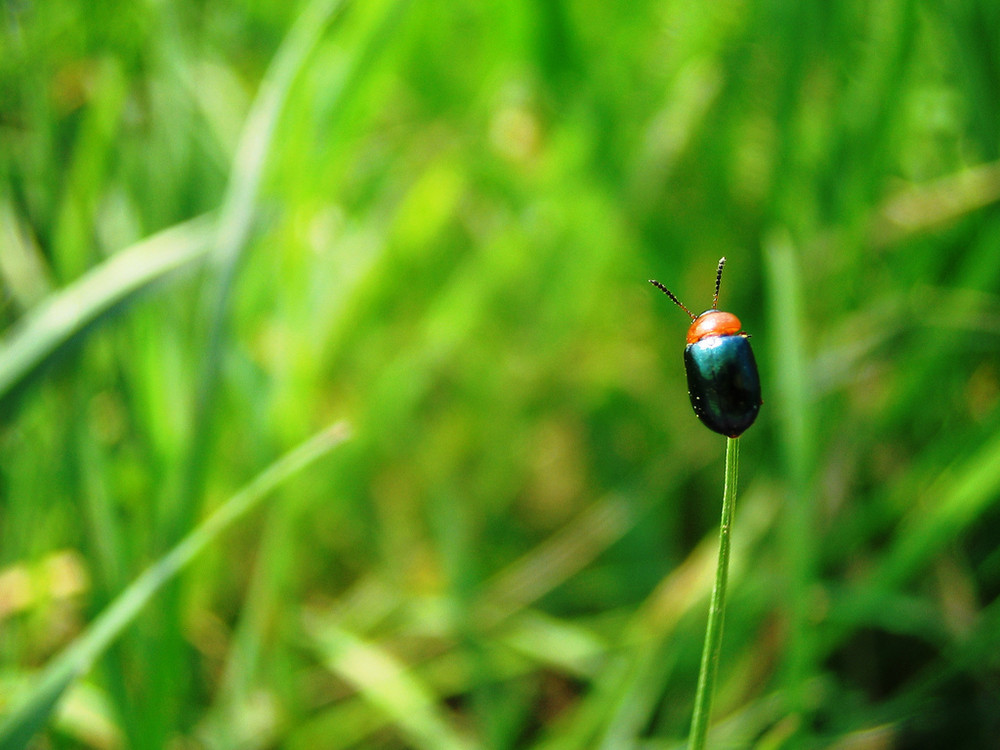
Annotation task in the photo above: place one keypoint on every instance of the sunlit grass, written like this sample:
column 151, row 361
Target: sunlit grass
column 224, row 228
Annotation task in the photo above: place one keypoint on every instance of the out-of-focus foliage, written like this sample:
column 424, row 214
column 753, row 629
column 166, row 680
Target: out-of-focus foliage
column 445, row 239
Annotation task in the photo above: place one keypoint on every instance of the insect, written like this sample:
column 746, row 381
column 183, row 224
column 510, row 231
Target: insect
column 721, row 370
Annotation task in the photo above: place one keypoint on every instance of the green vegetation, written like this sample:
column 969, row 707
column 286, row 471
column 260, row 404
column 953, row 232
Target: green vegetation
column 712, row 649
column 224, row 229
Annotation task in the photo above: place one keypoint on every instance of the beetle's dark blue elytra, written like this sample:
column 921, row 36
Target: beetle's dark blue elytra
column 721, row 370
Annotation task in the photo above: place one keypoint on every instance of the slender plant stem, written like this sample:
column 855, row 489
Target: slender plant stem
column 713, row 632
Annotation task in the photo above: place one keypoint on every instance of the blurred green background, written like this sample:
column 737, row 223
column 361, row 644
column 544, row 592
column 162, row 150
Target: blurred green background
column 225, row 226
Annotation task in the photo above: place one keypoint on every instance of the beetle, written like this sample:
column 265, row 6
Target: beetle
column 723, row 383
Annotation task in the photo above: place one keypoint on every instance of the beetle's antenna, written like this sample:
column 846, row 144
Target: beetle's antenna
column 718, row 283
column 670, row 294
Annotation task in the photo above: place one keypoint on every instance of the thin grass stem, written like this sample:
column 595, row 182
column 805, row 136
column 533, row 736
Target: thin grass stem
column 713, row 631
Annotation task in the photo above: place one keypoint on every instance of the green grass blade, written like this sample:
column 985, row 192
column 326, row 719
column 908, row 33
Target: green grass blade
column 793, row 412
column 387, row 684
column 959, row 498
column 236, row 220
column 17, row 732
column 47, row 327
column 77, row 658
column 257, row 138
column 233, row 230
column 717, row 609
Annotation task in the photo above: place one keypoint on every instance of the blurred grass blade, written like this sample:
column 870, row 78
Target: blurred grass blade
column 793, row 405
column 955, row 502
column 17, row 732
column 385, row 683
column 236, row 220
column 232, row 232
column 76, row 659
column 23, row 271
column 557, row 559
column 48, row 326
column 959, row 497
column 258, row 133
column 922, row 208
